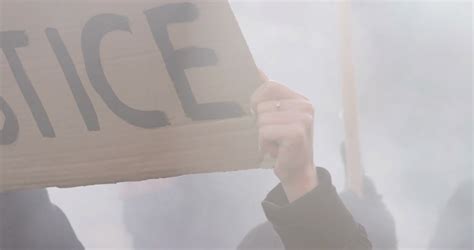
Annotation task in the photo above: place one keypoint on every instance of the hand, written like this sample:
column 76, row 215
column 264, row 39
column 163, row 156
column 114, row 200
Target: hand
column 285, row 125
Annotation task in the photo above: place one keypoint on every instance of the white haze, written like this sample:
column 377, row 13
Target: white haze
column 414, row 73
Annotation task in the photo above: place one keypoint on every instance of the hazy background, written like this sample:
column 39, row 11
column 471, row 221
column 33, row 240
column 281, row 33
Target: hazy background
column 414, row 74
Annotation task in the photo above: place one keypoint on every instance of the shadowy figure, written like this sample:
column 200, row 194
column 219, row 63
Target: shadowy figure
column 454, row 229
column 28, row 220
column 186, row 212
column 370, row 211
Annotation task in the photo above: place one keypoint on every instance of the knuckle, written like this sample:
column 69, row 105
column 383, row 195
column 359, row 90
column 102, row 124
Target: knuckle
column 277, row 89
column 308, row 121
column 271, row 87
column 310, row 108
column 298, row 133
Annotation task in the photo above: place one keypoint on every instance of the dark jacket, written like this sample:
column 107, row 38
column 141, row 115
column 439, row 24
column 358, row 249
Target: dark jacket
column 318, row 220
column 29, row 221
column 455, row 224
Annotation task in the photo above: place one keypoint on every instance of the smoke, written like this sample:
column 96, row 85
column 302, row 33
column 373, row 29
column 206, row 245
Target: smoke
column 414, row 74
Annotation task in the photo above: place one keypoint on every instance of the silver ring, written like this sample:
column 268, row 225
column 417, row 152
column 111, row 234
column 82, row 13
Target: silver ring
column 278, row 105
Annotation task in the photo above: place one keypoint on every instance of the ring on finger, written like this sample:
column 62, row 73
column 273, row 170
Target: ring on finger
column 278, row 105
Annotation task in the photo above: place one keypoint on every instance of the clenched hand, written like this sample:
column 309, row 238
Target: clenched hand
column 285, row 125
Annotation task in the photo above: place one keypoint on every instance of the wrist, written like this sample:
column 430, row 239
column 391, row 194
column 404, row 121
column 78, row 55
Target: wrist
column 300, row 183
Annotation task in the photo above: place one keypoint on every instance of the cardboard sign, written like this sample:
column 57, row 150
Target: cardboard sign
column 109, row 91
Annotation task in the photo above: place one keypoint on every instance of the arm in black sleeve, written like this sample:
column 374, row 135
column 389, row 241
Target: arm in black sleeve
column 318, row 220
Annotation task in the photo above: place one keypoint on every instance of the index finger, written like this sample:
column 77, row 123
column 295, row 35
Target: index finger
column 270, row 91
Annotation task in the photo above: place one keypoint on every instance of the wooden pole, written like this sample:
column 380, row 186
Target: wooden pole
column 354, row 169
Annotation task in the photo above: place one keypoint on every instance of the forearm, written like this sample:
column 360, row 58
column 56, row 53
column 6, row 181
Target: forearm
column 299, row 185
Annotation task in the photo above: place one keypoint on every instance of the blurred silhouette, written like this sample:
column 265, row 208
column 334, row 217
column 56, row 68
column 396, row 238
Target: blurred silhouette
column 370, row 211
column 263, row 236
column 183, row 215
column 185, row 212
column 28, row 220
column 454, row 229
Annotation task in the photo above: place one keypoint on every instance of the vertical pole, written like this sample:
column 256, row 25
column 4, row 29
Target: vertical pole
column 354, row 169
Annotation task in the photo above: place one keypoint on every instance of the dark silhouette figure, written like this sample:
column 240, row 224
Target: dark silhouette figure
column 370, row 211
column 454, row 229
column 28, row 220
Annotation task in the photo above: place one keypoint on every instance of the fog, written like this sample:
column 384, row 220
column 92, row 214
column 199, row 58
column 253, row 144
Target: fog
column 413, row 63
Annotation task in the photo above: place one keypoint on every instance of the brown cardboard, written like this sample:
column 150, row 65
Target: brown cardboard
column 115, row 149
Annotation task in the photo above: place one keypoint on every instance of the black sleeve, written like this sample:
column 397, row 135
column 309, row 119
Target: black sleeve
column 28, row 220
column 318, row 220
